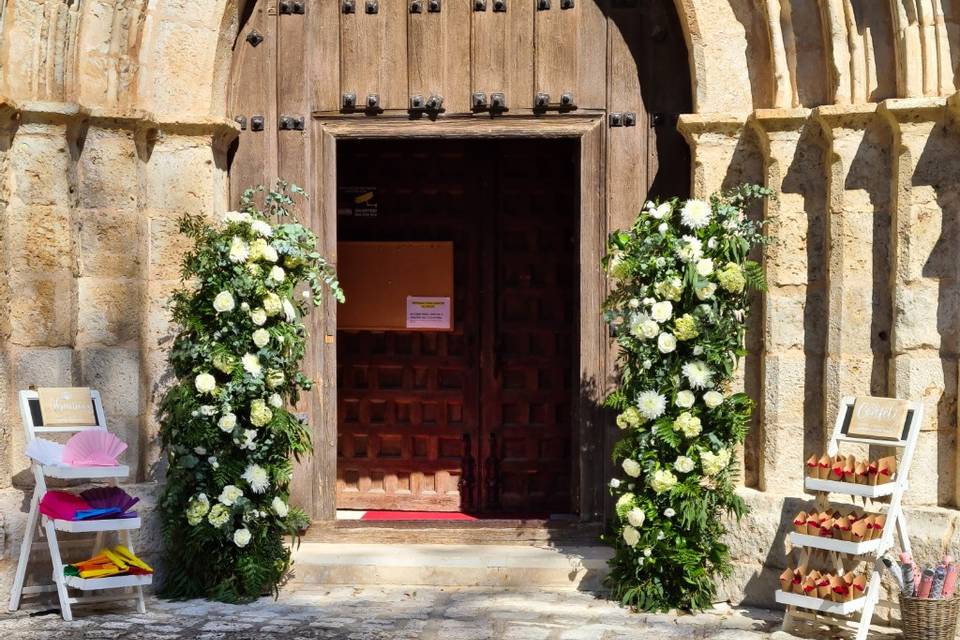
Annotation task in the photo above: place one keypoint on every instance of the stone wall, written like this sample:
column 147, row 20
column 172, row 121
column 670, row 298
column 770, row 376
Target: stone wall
column 111, row 125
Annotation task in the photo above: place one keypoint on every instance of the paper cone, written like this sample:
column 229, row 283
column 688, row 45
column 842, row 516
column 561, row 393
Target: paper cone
column 859, row 586
column 813, row 466
column 800, row 522
column 798, row 581
column 824, row 466
column 861, row 476
column 823, row 587
column 859, row 531
column 826, row 528
column 872, row 472
column 879, row 521
column 843, row 524
column 838, row 589
column 886, row 469
column 848, row 469
column 813, row 524
column 868, row 534
column 836, row 467
column 786, row 580
column 809, row 586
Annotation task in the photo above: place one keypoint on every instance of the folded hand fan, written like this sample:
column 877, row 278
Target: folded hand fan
column 61, row 505
column 109, row 498
column 45, row 451
column 95, row 448
column 96, row 514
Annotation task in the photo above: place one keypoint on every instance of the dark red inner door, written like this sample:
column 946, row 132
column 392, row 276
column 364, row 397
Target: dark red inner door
column 478, row 419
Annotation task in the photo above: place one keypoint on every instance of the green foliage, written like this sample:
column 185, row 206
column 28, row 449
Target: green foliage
column 225, row 426
column 678, row 310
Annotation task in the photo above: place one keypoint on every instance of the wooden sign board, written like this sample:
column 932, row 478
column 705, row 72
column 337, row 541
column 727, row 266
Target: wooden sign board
column 67, row 406
column 396, row 286
column 882, row 418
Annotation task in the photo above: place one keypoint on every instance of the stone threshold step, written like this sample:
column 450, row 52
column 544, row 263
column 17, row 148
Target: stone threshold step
column 494, row 532
column 451, row 565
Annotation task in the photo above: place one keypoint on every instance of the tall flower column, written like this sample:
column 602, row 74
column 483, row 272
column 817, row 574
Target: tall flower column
column 678, row 312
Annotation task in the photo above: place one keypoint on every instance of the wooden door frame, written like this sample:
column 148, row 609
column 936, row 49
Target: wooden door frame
column 315, row 479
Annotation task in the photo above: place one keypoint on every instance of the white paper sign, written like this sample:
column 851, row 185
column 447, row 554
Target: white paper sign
column 426, row 312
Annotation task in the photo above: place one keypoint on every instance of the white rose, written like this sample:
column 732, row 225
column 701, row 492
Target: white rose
column 669, row 512
column 262, row 228
column 649, row 328
column 277, row 274
column 661, row 311
column 261, row 337
column 713, row 399
column 667, row 343
column 270, row 254
column 258, row 316
column 636, row 517
column 251, row 364
column 683, row 464
column 275, row 401
column 633, row 303
column 706, row 292
column 280, row 507
column 614, row 483
column 631, row 468
column 662, row 228
column 229, row 495
column 685, row 399
column 205, row 383
column 227, row 422
column 224, row 302
column 631, row 536
column 241, row 537
column 704, row 267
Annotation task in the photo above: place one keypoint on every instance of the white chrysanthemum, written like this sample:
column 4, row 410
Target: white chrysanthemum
column 698, row 374
column 261, row 338
column 262, row 228
column 667, row 343
column 704, row 267
column 229, row 495
column 289, row 312
column 227, row 422
column 683, row 464
column 713, row 399
column 251, row 364
column 241, row 537
column 224, row 302
column 277, row 274
column 685, row 399
column 205, row 383
column 256, row 477
column 695, row 214
column 279, row 507
column 706, row 292
column 275, row 401
column 636, row 517
column 662, row 481
column 258, row 316
column 631, row 468
column 651, row 404
column 661, row 311
column 237, row 216
column 239, row 249
column 690, row 249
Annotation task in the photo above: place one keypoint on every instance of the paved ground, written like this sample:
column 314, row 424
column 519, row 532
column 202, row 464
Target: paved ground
column 392, row 614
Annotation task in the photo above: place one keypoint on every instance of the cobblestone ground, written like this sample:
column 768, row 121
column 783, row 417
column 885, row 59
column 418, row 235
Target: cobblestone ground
column 391, row 614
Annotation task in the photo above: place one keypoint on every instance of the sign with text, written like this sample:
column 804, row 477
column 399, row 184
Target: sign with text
column 882, row 418
column 66, row 405
column 428, row 312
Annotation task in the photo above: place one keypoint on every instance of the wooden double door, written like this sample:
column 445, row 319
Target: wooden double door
column 478, row 419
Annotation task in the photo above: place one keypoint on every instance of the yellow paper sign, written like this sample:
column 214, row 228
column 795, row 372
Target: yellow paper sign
column 66, row 405
column 878, row 418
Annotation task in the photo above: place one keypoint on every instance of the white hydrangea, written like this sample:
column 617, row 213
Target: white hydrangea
column 632, row 468
column 714, row 463
column 695, row 214
column 666, row 342
column 205, row 383
column 224, row 302
column 651, row 404
column 256, row 477
column 261, row 338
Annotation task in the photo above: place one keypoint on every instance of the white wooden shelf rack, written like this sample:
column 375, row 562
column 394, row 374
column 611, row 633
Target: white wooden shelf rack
column 40, row 526
column 802, row 608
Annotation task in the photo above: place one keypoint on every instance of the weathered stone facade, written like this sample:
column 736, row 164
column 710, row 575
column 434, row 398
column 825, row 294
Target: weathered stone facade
column 112, row 124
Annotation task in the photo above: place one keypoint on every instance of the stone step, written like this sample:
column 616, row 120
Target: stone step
column 451, row 565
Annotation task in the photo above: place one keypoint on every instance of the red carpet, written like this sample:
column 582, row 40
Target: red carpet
column 416, row 515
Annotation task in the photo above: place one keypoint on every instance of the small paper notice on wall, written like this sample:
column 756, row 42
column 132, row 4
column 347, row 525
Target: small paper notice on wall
column 428, row 312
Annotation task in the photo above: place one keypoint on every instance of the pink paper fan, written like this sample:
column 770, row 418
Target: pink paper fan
column 94, row 448
column 107, row 497
column 61, row 505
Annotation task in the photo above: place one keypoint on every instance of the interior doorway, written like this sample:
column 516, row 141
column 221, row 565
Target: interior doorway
column 479, row 419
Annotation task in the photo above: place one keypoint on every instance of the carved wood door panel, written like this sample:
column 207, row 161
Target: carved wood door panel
column 478, row 419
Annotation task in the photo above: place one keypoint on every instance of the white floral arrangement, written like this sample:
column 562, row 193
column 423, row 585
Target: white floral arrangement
column 682, row 281
column 228, row 435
